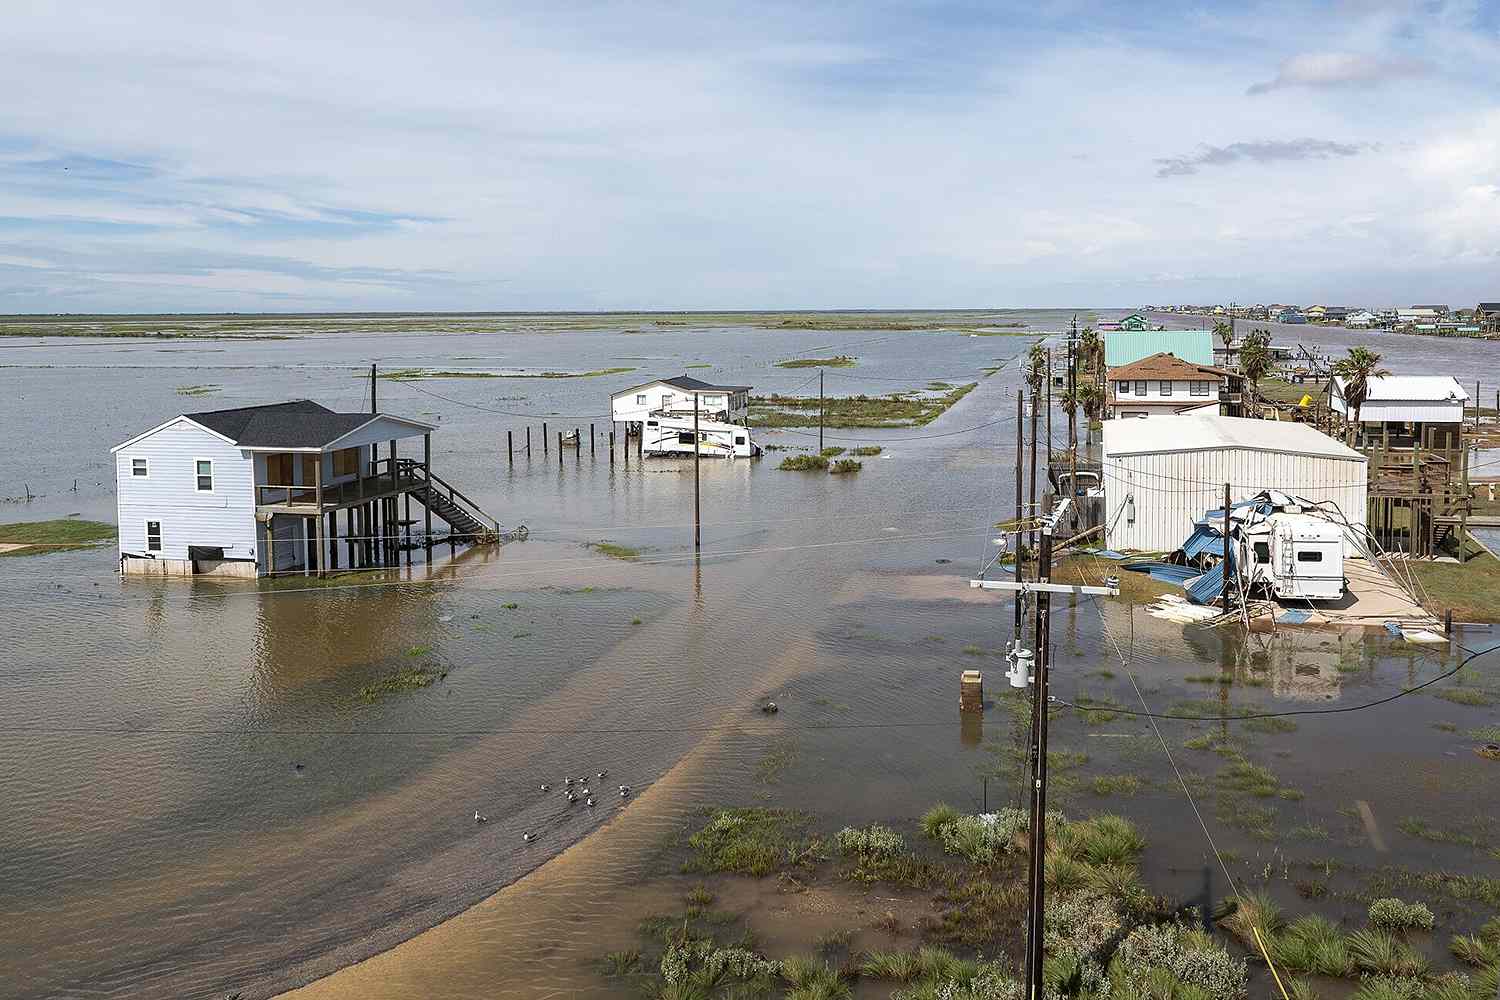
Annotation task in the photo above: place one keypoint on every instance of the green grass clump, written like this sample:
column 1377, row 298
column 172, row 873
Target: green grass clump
column 844, row 466
column 939, row 816
column 1101, row 840
column 699, row 895
column 803, row 463
column 750, row 842
column 1474, row 951
column 1485, row 734
column 837, row 361
column 62, row 535
column 867, row 450
column 1379, row 952
column 615, row 551
column 873, row 841
column 1116, row 784
column 832, row 451
column 1396, row 915
column 1466, row 696
column 622, row 963
column 409, row 679
column 1314, row 946
column 1255, row 911
column 197, row 390
column 893, row 966
column 813, row 979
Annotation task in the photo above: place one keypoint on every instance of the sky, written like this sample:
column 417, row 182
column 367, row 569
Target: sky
column 239, row 157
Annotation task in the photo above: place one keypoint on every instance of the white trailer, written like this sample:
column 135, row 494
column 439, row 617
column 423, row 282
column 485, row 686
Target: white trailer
column 663, row 435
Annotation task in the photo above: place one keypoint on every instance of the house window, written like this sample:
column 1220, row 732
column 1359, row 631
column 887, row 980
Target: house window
column 310, row 470
column 1140, row 387
column 153, row 536
column 713, row 401
column 1306, row 556
column 1166, row 387
column 205, row 470
column 640, row 399
column 346, row 462
column 279, row 470
column 1122, row 388
column 1199, row 389
column 138, row 467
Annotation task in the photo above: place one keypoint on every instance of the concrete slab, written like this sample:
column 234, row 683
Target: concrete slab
column 1372, row 598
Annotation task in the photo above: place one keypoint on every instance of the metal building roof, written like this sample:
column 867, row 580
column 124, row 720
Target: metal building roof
column 1208, row 432
column 1196, row 347
column 1425, row 388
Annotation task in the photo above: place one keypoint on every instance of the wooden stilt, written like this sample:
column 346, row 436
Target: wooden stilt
column 544, row 437
column 591, row 440
column 427, row 493
column 318, row 519
column 559, row 449
column 528, row 441
column 510, row 447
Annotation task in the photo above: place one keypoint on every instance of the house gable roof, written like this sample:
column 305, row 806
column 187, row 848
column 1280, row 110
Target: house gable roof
column 1409, row 388
column 1164, row 366
column 686, row 383
column 1488, row 307
column 299, row 424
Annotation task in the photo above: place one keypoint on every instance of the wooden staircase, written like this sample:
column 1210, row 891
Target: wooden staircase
column 463, row 516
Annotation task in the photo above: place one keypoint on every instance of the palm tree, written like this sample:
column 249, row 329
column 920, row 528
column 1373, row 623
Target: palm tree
column 1225, row 332
column 1036, row 368
column 1091, row 398
column 1356, row 370
column 1091, row 351
column 1255, row 358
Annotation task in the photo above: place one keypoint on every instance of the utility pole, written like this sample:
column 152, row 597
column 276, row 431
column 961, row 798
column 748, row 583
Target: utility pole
column 1036, row 894
column 1049, row 411
column 820, row 411
column 1073, row 409
column 373, row 407
column 1224, row 590
column 697, row 508
column 1020, row 506
column 1034, row 415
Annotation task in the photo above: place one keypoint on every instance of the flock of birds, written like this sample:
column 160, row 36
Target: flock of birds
column 569, row 794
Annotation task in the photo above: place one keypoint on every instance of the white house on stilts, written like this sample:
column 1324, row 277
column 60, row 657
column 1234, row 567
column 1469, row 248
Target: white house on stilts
column 258, row 490
column 662, row 414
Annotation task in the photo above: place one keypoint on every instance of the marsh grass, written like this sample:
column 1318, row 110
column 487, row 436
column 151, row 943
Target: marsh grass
column 1313, row 945
column 407, row 679
column 837, row 361
column 1116, row 784
column 1467, row 696
column 897, row 409
column 844, row 466
column 1380, row 952
column 198, row 390
column 832, row 451
column 752, row 841
column 867, row 450
column 803, row 463
column 614, row 550
column 892, row 966
column 1253, row 911
column 64, row 534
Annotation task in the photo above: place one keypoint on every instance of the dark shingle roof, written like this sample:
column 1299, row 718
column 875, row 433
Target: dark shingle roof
column 1489, row 307
column 298, row 424
column 691, row 384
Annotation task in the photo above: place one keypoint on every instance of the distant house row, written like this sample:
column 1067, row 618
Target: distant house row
column 1481, row 321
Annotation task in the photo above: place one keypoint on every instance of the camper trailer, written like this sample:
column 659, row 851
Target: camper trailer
column 664, row 435
column 1295, row 555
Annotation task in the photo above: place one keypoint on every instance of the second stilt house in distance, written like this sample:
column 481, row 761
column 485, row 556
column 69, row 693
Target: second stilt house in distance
column 662, row 414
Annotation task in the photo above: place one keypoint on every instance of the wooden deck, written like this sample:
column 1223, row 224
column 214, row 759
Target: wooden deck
column 303, row 499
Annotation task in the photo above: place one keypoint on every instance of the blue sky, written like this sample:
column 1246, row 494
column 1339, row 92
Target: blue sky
column 235, row 157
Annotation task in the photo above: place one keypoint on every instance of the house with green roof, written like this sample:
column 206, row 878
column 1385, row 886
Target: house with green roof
column 1196, row 347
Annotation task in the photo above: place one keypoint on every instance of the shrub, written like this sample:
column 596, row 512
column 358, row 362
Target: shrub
column 865, row 451
column 1192, row 960
column 1106, row 839
column 982, row 839
column 1391, row 988
column 1083, row 923
column 844, row 466
column 874, row 841
column 831, row 452
column 1395, row 915
column 803, row 463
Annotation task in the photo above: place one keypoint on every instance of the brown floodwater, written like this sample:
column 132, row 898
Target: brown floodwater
column 160, row 840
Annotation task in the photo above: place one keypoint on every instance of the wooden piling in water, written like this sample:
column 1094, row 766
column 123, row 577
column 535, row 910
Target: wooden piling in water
column 971, row 691
column 577, row 445
column 591, row 440
column 559, row 449
column 528, row 440
column 510, row 447
column 611, row 447
column 544, row 437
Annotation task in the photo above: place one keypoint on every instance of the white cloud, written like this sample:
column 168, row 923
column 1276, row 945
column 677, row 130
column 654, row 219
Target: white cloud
column 1338, row 69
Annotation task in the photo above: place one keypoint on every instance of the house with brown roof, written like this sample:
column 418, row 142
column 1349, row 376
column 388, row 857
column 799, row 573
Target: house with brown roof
column 1164, row 384
column 1487, row 315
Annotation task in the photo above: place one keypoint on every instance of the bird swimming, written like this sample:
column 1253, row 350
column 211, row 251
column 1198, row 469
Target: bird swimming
column 624, row 791
column 589, row 802
column 480, row 817
column 602, row 774
column 528, row 837
column 546, row 787
column 568, row 781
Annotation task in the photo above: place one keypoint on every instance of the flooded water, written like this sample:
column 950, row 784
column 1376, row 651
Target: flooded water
column 162, row 839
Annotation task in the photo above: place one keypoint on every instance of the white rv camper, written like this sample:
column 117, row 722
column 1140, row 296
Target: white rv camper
column 674, row 436
column 1295, row 555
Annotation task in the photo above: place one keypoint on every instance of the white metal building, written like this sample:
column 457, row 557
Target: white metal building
column 1162, row 474
column 1427, row 399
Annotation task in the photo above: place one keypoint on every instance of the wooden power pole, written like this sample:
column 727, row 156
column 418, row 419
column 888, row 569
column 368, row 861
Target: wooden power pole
column 1036, row 890
column 820, row 411
column 697, row 507
column 373, row 383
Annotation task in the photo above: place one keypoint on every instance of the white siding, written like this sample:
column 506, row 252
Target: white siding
column 1409, row 410
column 224, row 517
column 382, row 431
column 1173, row 489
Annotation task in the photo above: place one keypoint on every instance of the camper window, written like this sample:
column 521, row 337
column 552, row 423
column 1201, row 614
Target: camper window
column 1309, row 556
column 684, row 437
column 739, row 439
column 1262, row 552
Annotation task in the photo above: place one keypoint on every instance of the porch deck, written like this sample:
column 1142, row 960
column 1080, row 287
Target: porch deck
column 340, row 496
